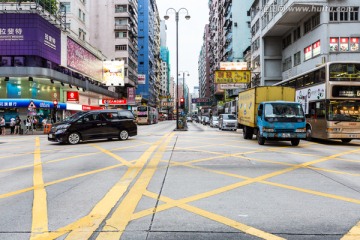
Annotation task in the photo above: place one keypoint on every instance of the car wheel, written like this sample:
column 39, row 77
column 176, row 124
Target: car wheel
column 74, row 138
column 123, row 135
column 295, row 142
column 260, row 139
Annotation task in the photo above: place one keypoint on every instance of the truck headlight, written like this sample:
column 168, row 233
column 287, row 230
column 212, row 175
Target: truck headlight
column 300, row 130
column 268, row 130
column 334, row 130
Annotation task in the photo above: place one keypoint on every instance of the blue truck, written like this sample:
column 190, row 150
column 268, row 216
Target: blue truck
column 271, row 113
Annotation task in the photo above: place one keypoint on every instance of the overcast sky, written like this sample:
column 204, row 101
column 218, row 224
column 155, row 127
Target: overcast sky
column 190, row 35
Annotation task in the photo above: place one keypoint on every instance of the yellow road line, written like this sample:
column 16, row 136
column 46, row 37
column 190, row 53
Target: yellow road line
column 117, row 223
column 353, row 234
column 39, row 210
column 218, row 218
column 84, row 227
column 117, row 157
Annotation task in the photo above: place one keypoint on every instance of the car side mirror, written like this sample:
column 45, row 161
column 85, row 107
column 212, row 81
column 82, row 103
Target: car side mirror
column 260, row 112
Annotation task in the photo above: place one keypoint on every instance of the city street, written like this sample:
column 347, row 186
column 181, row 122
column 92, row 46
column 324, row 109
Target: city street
column 163, row 184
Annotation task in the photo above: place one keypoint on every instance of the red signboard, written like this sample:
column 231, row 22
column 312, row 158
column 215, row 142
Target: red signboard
column 72, row 96
column 87, row 107
column 354, row 44
column 344, row 44
column 316, row 48
column 113, row 101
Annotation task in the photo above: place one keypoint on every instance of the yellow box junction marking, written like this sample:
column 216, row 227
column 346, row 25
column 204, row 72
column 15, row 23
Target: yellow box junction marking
column 85, row 227
column 353, row 234
column 39, row 210
column 117, row 223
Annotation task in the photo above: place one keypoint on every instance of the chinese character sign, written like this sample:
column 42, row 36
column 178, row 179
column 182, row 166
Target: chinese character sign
column 238, row 76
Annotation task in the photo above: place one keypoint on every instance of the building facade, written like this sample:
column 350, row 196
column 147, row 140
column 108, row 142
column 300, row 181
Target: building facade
column 301, row 36
column 149, row 52
column 114, row 30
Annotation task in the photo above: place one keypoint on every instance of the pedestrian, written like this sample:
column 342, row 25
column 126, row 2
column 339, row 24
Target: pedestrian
column 12, row 126
column 28, row 122
column 17, row 125
column 2, row 125
column 43, row 122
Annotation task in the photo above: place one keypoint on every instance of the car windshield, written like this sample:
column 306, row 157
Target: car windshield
column 230, row 117
column 215, row 118
column 283, row 110
column 74, row 117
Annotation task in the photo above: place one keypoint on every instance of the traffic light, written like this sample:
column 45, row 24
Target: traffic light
column 182, row 103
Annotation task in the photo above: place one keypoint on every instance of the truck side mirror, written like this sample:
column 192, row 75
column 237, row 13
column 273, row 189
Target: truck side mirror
column 260, row 112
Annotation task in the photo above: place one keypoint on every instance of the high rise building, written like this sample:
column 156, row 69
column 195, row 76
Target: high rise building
column 149, row 52
column 114, row 30
column 205, row 87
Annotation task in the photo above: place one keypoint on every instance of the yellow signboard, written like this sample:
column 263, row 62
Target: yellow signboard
column 232, row 76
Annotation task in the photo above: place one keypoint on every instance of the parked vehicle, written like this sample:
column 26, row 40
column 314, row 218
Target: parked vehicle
column 214, row 121
column 99, row 124
column 227, row 122
column 261, row 113
column 206, row 120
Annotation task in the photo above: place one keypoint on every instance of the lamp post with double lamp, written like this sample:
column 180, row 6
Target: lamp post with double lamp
column 183, row 73
column 187, row 17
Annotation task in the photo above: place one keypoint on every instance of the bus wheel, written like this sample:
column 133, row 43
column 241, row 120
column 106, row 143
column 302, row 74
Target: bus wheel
column 260, row 139
column 346, row 140
column 308, row 134
column 295, row 142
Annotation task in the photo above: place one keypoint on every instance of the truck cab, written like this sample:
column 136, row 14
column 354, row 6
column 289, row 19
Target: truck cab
column 280, row 120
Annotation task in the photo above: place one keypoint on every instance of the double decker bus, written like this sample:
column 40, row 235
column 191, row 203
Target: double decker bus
column 330, row 96
column 147, row 115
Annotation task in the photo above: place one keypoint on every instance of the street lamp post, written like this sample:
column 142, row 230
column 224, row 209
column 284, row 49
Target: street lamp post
column 188, row 74
column 187, row 17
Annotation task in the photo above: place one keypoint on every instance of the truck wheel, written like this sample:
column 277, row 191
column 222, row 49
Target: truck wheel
column 295, row 142
column 346, row 140
column 260, row 139
column 245, row 136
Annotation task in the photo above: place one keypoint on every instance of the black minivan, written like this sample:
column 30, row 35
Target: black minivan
column 99, row 124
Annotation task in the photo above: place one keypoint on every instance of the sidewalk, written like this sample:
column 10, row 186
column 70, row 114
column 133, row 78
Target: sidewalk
column 34, row 132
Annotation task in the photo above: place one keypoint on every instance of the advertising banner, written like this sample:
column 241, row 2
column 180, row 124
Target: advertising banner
column 72, row 96
column 233, row 66
column 200, row 100
column 25, row 103
column 141, row 79
column 28, row 34
column 316, row 48
column 112, row 102
column 308, row 52
column 233, row 86
column 131, row 95
column 238, row 76
column 304, row 96
column 80, row 59
column 334, row 44
column 114, row 73
column 344, row 44
column 354, row 44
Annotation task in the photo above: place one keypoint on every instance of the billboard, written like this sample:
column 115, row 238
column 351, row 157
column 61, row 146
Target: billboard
column 114, row 73
column 233, row 66
column 72, row 96
column 230, row 76
column 141, row 79
column 29, row 34
column 80, row 59
column 131, row 95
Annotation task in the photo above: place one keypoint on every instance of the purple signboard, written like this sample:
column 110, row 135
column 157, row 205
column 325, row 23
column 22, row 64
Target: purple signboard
column 131, row 95
column 29, row 34
column 83, row 61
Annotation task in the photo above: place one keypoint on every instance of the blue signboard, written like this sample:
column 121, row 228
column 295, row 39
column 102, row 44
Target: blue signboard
column 24, row 103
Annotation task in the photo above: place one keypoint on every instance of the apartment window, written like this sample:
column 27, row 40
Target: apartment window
column 287, row 41
column 120, row 21
column 333, row 14
column 83, row 1
column 66, row 6
column 120, row 47
column 344, row 14
column 315, row 21
column 307, row 26
column 120, row 34
column 120, row 8
column 297, row 58
column 82, row 34
column 354, row 14
column 287, row 64
column 80, row 13
column 297, row 34
column 83, row 17
column 67, row 25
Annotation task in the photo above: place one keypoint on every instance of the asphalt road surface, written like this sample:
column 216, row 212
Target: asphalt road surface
column 163, row 184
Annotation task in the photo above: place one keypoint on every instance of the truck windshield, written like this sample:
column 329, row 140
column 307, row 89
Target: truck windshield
column 343, row 110
column 283, row 110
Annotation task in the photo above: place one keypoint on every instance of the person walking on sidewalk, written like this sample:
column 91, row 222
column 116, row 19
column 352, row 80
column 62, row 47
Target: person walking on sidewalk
column 2, row 125
column 12, row 126
column 28, row 123
column 17, row 125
